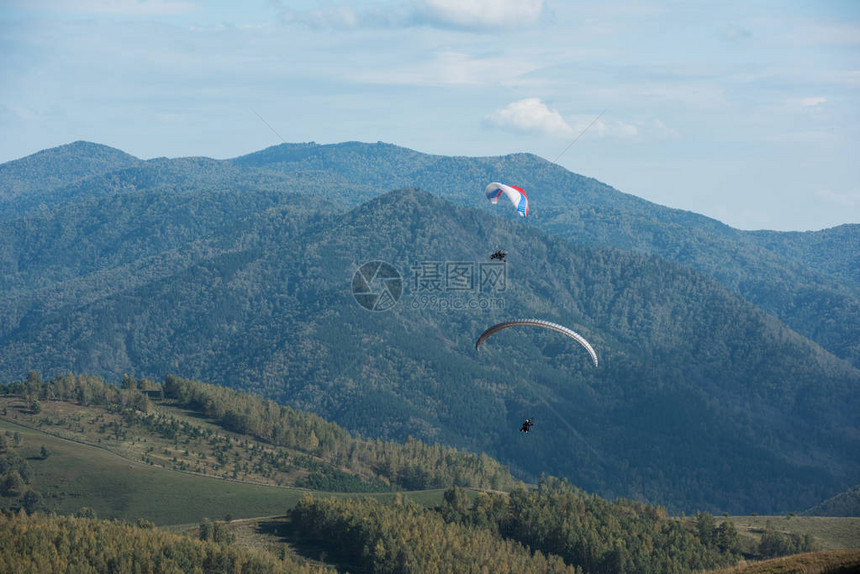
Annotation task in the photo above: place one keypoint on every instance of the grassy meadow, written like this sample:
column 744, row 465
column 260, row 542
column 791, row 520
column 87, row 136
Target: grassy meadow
column 829, row 533
column 825, row 562
column 83, row 471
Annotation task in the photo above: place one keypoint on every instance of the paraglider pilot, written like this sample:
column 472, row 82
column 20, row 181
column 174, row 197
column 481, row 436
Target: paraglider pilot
column 499, row 254
column 527, row 424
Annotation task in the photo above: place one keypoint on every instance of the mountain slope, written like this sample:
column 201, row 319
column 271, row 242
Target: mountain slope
column 816, row 295
column 701, row 400
column 808, row 280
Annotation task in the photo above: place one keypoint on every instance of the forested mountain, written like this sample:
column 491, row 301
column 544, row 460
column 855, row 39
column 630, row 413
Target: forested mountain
column 809, row 280
column 702, row 401
column 37, row 181
column 832, row 251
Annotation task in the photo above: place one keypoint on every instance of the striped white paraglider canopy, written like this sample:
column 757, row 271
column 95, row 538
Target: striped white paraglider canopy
column 538, row 323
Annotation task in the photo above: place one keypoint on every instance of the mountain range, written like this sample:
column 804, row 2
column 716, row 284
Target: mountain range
column 728, row 359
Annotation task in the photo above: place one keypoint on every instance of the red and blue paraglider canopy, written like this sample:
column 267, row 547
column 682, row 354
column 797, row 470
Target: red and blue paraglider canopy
column 512, row 192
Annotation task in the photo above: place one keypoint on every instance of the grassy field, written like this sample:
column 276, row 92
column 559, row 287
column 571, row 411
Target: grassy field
column 826, row 562
column 829, row 533
column 178, row 441
column 77, row 475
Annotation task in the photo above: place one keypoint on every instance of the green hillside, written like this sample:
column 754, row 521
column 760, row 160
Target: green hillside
column 79, row 475
column 244, row 447
column 239, row 272
column 678, row 389
column 179, row 452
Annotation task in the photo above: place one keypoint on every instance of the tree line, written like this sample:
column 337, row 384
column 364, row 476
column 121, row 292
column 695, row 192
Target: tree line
column 40, row 543
column 406, row 537
column 600, row 536
column 412, row 465
column 555, row 528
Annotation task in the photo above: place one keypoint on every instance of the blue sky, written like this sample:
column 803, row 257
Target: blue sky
column 745, row 111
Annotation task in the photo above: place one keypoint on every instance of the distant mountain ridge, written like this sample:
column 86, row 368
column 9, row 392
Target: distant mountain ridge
column 29, row 181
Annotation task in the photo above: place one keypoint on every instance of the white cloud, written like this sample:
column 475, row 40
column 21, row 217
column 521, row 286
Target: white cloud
column 453, row 68
column 811, row 102
column 463, row 14
column 339, row 17
column 531, row 115
column 611, row 129
column 481, row 13
column 635, row 130
column 805, row 107
column 662, row 131
column 139, row 8
column 347, row 16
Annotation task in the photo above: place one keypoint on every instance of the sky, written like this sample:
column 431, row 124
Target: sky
column 746, row 111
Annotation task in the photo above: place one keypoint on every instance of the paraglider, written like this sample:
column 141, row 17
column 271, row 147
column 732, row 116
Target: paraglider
column 538, row 323
column 515, row 194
